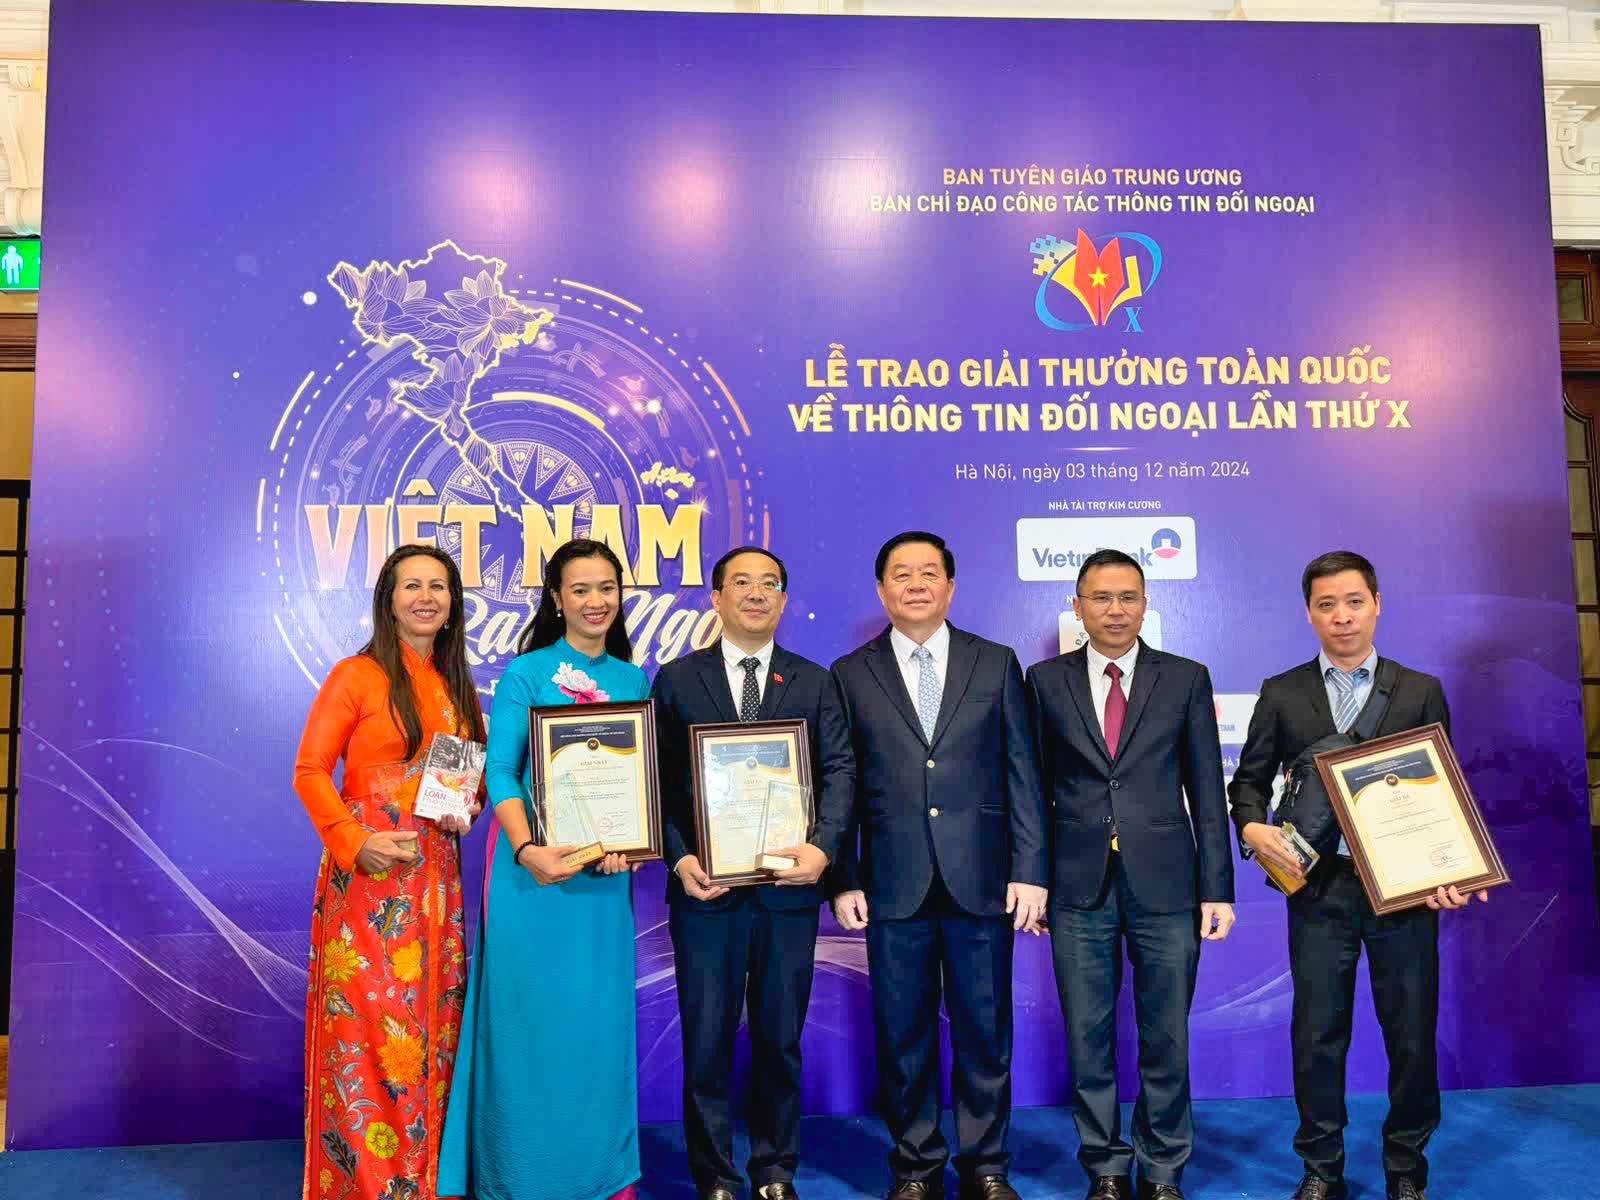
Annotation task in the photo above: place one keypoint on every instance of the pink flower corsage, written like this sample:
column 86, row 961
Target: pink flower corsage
column 578, row 685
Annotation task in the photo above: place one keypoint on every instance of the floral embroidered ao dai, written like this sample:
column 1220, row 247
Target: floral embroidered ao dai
column 387, row 950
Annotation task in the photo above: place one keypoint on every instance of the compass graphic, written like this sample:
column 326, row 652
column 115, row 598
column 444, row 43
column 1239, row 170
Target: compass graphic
column 499, row 422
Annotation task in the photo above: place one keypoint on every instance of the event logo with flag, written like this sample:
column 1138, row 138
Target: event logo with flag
column 1082, row 280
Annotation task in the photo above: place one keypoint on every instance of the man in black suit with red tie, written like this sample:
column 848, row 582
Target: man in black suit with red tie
column 952, row 840
column 1125, row 734
column 752, row 945
column 1330, row 919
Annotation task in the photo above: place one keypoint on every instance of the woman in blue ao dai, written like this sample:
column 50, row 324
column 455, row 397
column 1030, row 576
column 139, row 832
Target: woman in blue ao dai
column 544, row 1105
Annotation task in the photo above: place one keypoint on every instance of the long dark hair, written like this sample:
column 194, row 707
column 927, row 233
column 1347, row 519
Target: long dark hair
column 449, row 652
column 547, row 627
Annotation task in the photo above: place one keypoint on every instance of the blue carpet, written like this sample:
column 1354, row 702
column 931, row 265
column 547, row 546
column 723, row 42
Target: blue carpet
column 1545, row 1137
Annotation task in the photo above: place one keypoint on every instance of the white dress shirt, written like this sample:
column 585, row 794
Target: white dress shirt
column 938, row 645
column 732, row 656
column 1100, row 682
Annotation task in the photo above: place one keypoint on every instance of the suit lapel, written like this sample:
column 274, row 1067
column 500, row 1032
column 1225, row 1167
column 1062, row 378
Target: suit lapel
column 1077, row 672
column 1146, row 675
column 715, row 678
column 963, row 660
column 779, row 672
column 1316, row 695
column 881, row 662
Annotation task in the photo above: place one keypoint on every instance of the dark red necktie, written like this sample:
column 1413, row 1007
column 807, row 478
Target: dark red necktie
column 1116, row 708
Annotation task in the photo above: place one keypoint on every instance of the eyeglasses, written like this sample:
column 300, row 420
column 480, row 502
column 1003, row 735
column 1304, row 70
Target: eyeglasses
column 1100, row 600
column 742, row 586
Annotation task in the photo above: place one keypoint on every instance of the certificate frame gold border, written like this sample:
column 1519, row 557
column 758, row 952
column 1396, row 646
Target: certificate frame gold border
column 560, row 714
column 794, row 731
column 1435, row 737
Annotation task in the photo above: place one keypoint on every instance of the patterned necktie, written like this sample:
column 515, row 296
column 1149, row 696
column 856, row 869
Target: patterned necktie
column 1116, row 708
column 750, row 699
column 1344, row 713
column 927, row 691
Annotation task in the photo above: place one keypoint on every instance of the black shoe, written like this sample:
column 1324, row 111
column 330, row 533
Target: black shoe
column 1315, row 1187
column 778, row 1189
column 1111, row 1187
column 988, row 1187
column 1158, row 1191
column 917, row 1189
column 1402, row 1188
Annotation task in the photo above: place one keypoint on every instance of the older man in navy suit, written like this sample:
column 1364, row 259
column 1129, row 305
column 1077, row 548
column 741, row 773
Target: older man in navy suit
column 749, row 946
column 1125, row 734
column 952, row 840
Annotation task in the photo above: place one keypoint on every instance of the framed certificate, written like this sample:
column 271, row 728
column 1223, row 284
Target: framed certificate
column 752, row 794
column 1409, row 818
column 594, row 777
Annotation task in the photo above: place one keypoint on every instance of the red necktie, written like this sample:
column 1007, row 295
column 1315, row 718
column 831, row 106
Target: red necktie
column 1116, row 708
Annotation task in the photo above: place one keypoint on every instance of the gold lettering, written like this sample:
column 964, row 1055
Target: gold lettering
column 540, row 539
column 472, row 518
column 412, row 518
column 332, row 550
column 676, row 538
column 607, row 527
column 377, row 540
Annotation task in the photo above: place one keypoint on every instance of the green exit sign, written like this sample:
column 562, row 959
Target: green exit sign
column 19, row 265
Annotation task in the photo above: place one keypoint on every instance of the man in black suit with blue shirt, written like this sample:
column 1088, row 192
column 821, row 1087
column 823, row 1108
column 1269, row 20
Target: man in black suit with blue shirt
column 1330, row 919
column 952, row 861
column 1127, row 733
column 748, row 945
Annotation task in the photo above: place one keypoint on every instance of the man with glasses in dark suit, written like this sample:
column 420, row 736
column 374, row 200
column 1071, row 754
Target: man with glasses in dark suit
column 1126, row 734
column 747, row 949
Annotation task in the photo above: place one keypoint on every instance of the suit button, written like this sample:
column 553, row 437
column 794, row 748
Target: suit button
column 933, row 812
column 1115, row 785
column 930, row 764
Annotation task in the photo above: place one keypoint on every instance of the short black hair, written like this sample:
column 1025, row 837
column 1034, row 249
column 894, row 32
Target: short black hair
column 1108, row 558
column 721, row 567
column 1336, row 562
column 915, row 535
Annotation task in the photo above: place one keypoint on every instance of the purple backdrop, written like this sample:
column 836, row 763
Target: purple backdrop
column 593, row 265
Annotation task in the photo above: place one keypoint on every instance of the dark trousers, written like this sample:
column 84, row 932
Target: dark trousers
column 726, row 958
column 942, row 948
column 1329, row 922
column 1165, row 951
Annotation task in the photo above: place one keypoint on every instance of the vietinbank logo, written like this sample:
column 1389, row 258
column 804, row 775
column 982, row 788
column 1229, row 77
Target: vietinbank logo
column 1055, row 547
column 1082, row 279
